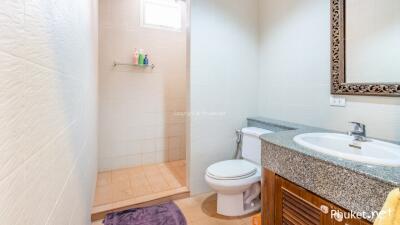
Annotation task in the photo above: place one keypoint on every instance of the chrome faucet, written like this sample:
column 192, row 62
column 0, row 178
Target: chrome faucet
column 359, row 132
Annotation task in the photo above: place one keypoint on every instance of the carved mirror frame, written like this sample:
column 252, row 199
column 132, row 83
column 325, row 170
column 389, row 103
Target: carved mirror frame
column 338, row 64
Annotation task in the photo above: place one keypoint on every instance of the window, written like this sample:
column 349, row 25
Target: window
column 163, row 14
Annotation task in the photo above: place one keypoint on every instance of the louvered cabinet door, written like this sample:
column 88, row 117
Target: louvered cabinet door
column 297, row 206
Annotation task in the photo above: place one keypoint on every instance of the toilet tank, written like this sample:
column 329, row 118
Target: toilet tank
column 251, row 143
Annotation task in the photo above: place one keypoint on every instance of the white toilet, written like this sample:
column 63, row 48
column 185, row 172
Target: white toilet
column 237, row 182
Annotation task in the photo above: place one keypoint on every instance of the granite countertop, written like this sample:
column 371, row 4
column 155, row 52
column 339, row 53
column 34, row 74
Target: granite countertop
column 284, row 138
column 355, row 186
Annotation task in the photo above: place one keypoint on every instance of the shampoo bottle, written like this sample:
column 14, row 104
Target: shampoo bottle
column 136, row 57
column 146, row 60
column 141, row 57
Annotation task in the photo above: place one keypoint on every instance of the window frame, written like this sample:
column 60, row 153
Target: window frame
column 161, row 27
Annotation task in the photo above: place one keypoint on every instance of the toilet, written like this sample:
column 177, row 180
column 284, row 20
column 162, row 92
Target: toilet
column 237, row 182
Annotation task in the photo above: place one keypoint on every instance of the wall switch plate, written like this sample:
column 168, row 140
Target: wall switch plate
column 338, row 101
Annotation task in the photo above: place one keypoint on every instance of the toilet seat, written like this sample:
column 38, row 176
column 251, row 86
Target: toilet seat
column 231, row 192
column 231, row 170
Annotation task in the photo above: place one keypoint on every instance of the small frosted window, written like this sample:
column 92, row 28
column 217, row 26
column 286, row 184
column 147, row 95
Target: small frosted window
column 164, row 14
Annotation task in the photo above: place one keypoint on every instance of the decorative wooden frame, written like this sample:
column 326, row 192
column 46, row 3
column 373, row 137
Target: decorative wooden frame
column 338, row 65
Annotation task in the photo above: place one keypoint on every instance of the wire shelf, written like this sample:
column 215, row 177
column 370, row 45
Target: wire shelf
column 152, row 66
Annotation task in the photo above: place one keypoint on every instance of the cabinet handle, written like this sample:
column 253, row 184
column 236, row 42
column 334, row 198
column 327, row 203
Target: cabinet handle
column 338, row 217
column 324, row 209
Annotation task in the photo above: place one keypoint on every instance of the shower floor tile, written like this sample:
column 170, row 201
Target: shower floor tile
column 132, row 184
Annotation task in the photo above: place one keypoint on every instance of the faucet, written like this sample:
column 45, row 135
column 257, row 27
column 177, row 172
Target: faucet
column 359, row 132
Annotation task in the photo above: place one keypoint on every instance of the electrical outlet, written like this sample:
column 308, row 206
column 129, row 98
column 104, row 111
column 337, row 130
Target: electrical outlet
column 338, row 101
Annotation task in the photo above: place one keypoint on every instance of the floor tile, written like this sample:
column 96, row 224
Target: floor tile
column 158, row 184
column 201, row 210
column 103, row 195
column 126, row 184
column 142, row 190
column 103, row 179
column 122, row 191
column 99, row 222
column 120, row 175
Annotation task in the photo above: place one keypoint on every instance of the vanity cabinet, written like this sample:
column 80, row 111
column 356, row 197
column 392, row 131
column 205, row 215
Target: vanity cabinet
column 285, row 203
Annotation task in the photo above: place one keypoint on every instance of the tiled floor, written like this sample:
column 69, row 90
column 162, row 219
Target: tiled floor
column 201, row 210
column 127, row 184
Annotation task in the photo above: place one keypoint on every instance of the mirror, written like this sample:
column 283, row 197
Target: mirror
column 365, row 45
column 372, row 41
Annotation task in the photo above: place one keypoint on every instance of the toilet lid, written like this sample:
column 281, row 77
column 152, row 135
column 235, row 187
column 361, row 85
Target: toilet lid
column 232, row 170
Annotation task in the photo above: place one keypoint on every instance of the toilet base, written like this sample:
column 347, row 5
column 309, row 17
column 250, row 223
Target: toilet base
column 233, row 205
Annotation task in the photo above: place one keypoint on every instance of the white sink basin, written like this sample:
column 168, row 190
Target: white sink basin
column 372, row 152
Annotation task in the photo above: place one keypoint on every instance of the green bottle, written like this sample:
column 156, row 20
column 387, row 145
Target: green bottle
column 141, row 57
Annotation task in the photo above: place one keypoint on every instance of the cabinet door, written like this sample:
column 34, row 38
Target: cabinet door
column 297, row 206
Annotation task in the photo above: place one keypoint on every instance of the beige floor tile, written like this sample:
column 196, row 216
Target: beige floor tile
column 155, row 179
column 158, row 185
column 99, row 222
column 168, row 174
column 202, row 222
column 122, row 191
column 247, row 221
column 139, row 180
column 163, row 167
column 135, row 170
column 174, row 183
column 103, row 179
column 167, row 171
column 120, row 175
column 176, row 163
column 103, row 195
column 131, row 183
column 152, row 170
column 201, row 210
column 194, row 214
column 181, row 173
column 142, row 191
column 187, row 203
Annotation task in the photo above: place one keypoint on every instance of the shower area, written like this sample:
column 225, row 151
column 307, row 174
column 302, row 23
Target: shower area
column 142, row 104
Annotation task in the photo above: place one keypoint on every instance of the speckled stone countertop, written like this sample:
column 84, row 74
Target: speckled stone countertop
column 355, row 186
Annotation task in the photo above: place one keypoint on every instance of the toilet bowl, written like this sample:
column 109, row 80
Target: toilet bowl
column 237, row 182
column 231, row 189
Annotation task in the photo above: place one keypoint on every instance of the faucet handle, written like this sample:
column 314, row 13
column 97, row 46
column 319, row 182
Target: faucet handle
column 358, row 126
column 359, row 131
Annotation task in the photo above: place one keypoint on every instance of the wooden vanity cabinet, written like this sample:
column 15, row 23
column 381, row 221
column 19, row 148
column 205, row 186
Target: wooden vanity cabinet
column 285, row 203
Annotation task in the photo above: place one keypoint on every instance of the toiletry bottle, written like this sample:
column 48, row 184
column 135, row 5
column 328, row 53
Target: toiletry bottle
column 136, row 57
column 141, row 57
column 146, row 60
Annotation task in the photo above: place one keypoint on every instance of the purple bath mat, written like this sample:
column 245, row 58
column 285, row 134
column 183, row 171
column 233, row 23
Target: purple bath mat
column 163, row 214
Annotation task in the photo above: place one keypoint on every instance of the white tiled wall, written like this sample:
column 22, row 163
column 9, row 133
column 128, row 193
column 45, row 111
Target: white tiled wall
column 295, row 72
column 223, row 80
column 138, row 120
column 48, row 104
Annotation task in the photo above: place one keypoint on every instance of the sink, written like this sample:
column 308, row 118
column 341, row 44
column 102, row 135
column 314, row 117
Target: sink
column 343, row 146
